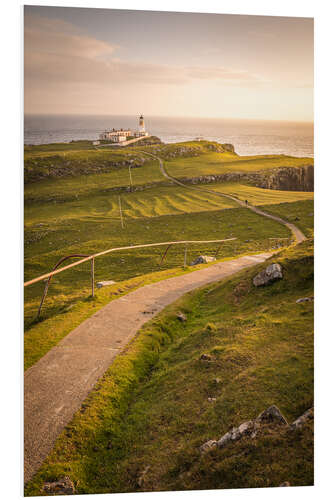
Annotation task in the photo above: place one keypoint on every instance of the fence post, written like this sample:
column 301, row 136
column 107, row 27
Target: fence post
column 92, row 277
column 185, row 255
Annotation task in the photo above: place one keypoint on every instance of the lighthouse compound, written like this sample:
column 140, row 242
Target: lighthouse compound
column 125, row 135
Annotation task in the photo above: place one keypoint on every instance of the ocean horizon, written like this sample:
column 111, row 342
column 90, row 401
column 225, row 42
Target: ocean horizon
column 249, row 137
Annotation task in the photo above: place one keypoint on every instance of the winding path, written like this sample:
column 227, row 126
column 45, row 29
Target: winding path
column 56, row 386
column 299, row 236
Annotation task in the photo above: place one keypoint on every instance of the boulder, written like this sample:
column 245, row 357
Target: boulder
column 272, row 415
column 304, row 299
column 63, row 486
column 206, row 357
column 272, row 273
column 308, row 415
column 100, row 284
column 202, row 259
column 208, row 446
column 236, row 433
column 181, row 316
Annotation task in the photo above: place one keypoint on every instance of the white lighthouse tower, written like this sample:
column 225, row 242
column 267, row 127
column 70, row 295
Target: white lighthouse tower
column 142, row 130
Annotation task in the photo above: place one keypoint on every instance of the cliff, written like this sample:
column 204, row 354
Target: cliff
column 283, row 179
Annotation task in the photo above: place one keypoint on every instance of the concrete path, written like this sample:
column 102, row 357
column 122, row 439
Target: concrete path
column 55, row 387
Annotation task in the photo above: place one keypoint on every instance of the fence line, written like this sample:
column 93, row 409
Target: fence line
column 117, row 249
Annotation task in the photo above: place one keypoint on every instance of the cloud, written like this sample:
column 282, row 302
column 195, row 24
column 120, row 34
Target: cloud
column 57, row 52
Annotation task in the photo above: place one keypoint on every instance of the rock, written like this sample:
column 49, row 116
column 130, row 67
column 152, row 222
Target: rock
column 217, row 380
column 202, row 259
column 208, row 446
column 271, row 415
column 141, row 478
column 206, row 357
column 100, row 284
column 181, row 316
column 212, row 400
column 308, row 415
column 63, row 486
column 304, row 299
column 272, row 273
column 286, row 483
column 236, row 433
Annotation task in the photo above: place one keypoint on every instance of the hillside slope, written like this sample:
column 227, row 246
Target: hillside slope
column 142, row 427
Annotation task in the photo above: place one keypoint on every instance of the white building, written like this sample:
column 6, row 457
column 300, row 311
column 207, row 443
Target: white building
column 121, row 135
column 115, row 135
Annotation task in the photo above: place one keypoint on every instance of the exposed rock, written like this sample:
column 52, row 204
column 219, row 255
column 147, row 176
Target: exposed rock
column 250, row 428
column 206, row 357
column 217, row 380
column 236, row 433
column 181, row 316
column 272, row 273
column 142, row 476
column 208, row 446
column 100, row 284
column 212, row 400
column 202, row 259
column 286, row 483
column 64, row 486
column 304, row 299
column 308, row 415
column 272, row 415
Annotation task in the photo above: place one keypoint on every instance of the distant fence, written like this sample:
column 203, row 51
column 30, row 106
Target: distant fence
column 86, row 258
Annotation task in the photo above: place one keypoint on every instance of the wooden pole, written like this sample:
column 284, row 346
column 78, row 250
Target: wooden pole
column 92, row 277
column 121, row 214
column 130, row 175
column 185, row 255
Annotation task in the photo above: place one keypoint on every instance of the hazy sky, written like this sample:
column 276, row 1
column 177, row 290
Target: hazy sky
column 97, row 61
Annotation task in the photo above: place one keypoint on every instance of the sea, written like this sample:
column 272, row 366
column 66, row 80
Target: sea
column 249, row 137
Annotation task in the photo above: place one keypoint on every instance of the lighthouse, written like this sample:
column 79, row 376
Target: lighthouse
column 142, row 129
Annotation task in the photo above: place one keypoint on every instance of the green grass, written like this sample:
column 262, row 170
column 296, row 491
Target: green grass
column 221, row 163
column 88, row 233
column 260, row 196
column 74, row 188
column 300, row 213
column 151, row 407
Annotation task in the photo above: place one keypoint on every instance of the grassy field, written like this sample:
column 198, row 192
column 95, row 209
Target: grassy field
column 259, row 196
column 300, row 213
column 221, row 163
column 151, row 411
column 46, row 244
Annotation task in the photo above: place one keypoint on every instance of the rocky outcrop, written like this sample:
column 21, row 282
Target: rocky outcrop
column 272, row 273
column 283, row 179
column 272, row 416
column 64, row 486
column 288, row 179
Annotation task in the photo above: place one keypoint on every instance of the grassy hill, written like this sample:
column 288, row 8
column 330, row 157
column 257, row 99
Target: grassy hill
column 80, row 214
column 151, row 412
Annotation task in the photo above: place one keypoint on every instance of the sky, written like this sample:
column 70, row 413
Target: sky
column 121, row 62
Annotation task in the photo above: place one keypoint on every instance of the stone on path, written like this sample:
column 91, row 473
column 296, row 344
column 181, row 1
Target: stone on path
column 272, row 273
